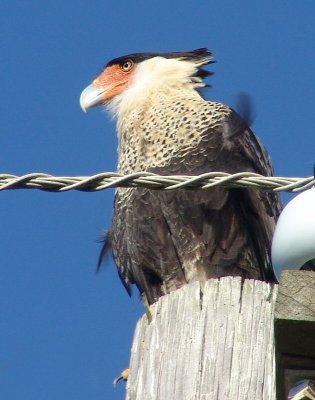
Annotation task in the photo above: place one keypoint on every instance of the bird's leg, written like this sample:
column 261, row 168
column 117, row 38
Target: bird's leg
column 147, row 307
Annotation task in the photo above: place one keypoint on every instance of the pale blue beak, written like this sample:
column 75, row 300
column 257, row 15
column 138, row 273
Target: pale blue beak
column 91, row 97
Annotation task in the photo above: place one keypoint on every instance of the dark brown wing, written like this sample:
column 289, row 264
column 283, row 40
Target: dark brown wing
column 162, row 240
column 142, row 243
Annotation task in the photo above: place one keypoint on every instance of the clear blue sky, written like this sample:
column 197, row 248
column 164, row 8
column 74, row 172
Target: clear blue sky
column 65, row 332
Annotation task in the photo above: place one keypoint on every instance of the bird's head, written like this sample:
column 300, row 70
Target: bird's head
column 130, row 78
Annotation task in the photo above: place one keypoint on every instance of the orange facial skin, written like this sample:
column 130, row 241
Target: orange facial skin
column 114, row 80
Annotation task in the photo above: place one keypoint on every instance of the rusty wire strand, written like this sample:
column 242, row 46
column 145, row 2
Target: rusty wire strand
column 149, row 180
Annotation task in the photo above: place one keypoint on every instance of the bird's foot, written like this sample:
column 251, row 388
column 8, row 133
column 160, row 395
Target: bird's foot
column 149, row 309
column 123, row 376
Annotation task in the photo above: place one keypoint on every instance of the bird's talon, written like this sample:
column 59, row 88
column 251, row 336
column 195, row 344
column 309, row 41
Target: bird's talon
column 123, row 376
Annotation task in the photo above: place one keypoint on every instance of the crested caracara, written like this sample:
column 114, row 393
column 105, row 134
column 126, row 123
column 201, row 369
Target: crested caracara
column 162, row 240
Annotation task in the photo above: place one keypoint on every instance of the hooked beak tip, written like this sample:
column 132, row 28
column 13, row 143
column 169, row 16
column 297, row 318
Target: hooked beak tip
column 91, row 97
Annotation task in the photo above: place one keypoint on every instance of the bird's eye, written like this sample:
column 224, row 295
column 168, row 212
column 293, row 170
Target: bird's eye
column 127, row 65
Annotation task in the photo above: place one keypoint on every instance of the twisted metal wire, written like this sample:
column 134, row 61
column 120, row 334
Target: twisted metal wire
column 149, row 180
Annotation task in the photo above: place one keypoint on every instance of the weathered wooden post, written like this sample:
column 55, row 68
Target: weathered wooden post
column 210, row 342
column 217, row 341
column 295, row 330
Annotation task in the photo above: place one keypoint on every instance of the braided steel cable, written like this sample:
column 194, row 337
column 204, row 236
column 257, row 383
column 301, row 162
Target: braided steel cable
column 149, row 180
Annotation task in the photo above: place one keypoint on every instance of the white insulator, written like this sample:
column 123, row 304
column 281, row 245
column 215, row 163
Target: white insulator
column 294, row 238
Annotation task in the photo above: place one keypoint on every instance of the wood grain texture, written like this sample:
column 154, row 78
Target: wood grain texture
column 296, row 297
column 207, row 343
column 295, row 330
